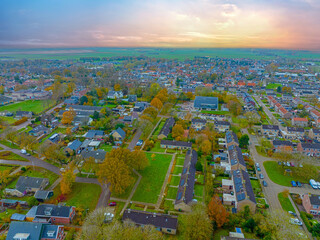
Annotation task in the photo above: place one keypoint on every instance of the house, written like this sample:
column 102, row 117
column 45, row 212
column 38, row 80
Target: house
column 227, row 185
column 166, row 129
column 50, row 213
column 11, row 203
column 293, row 132
column 132, row 98
column 284, row 113
column 55, row 138
column 5, row 100
column 98, row 155
column 73, row 147
column 42, row 195
column 83, row 108
column 198, row 124
column 279, row 146
column 26, row 185
column 231, row 139
column 94, row 134
column 311, row 204
column 206, row 103
column 186, row 184
column 46, row 119
column 118, row 134
column 35, row 231
column 39, row 130
column 115, row 94
column 222, row 126
column 310, row 149
column 300, row 122
column 140, row 106
column 162, row 222
column 314, row 114
column 175, row 144
column 314, row 134
column 236, row 159
column 270, row 130
column 243, row 191
column 21, row 114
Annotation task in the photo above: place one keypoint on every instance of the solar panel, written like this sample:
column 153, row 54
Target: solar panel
column 241, row 196
column 179, row 195
column 182, row 182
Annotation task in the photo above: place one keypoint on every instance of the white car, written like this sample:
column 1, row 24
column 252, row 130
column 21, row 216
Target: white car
column 295, row 221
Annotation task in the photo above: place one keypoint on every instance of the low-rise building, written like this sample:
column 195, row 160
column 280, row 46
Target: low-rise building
column 166, row 129
column 50, row 213
column 293, row 133
column 310, row 149
column 39, row 130
column 222, row 126
column 311, row 204
column 231, row 139
column 198, row 124
column 279, row 146
column 118, row 134
column 175, row 144
column 300, row 122
column 314, row 134
column 270, row 130
column 235, row 157
column 206, row 103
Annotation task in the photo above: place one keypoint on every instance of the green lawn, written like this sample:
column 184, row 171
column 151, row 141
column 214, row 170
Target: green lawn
column 84, row 195
column 106, row 147
column 9, row 144
column 285, row 203
column 175, row 180
column 215, row 112
column 158, row 129
column 9, row 120
column 172, row 193
column 220, row 232
column 152, row 178
column 180, row 161
column 277, row 174
column 169, row 205
column 7, row 167
column 119, row 207
column 8, row 155
column 273, row 85
column 198, row 190
column 35, row 106
column 177, row 170
column 157, row 147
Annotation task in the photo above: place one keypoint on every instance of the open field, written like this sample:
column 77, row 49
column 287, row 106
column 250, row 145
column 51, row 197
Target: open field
column 285, row 203
column 7, row 155
column 172, row 53
column 152, row 178
column 35, row 106
column 273, row 85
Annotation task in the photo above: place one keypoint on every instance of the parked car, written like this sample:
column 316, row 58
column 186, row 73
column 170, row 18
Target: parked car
column 293, row 183
column 257, row 165
column 291, row 164
column 258, row 169
column 292, row 213
column 261, row 176
column 295, row 221
column 264, row 183
column 288, row 164
column 139, row 143
column 112, row 204
column 299, row 184
column 23, row 151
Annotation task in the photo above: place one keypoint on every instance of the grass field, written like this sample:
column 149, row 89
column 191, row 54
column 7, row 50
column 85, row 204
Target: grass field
column 285, row 203
column 157, row 147
column 273, row 85
column 215, row 112
column 7, row 167
column 152, row 178
column 9, row 144
column 172, row 193
column 106, row 147
column 35, row 106
column 175, row 180
column 276, row 174
column 7, row 155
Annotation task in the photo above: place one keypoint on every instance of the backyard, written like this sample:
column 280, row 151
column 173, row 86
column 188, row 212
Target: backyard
column 152, row 178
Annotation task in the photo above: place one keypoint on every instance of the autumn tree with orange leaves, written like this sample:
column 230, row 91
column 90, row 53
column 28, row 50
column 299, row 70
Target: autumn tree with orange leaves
column 68, row 178
column 217, row 212
column 156, row 103
column 68, row 116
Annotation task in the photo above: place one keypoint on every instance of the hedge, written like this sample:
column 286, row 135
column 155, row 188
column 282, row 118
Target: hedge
column 306, row 221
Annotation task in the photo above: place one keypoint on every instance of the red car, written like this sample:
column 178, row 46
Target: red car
column 112, row 204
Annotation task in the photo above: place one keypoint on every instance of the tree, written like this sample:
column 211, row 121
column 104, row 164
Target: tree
column 244, row 141
column 196, row 224
column 68, row 116
column 140, row 160
column 68, row 131
column 68, row 178
column 251, row 118
column 177, row 131
column 117, row 87
column 4, row 177
column 249, row 225
column 279, row 89
column 2, row 89
column 199, row 166
column 156, row 103
column 217, row 212
column 83, row 100
column 116, row 172
column 206, row 147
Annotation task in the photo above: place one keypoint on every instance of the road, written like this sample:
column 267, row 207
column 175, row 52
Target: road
column 135, row 139
column 267, row 111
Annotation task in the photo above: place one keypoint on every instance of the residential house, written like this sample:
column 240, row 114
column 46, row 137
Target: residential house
column 227, row 185
column 300, row 122
column 166, row 129
column 5, row 100
column 243, row 191
column 231, row 139
column 26, row 185
column 132, row 98
column 315, row 114
column 42, row 195
column 35, row 231
column 46, row 119
column 21, row 114
column 311, row 204
column 83, row 108
column 39, row 130
column 270, row 130
column 314, row 134
column 94, row 134
column 115, row 94
column 206, row 103
column 310, row 149
column 175, row 144
column 162, row 222
column 279, row 146
column 198, row 124
column 222, row 126
column 12, row 203
column 235, row 157
column 118, row 134
column 140, row 106
column 50, row 213
column 98, row 155
column 186, row 184
column 73, row 147
column 293, row 133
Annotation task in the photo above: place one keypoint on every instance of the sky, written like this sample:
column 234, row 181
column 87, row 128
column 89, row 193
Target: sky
column 283, row 24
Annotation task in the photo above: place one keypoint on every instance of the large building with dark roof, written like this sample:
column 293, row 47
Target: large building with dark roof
column 231, row 139
column 186, row 184
column 236, row 159
column 243, row 191
column 166, row 129
column 175, row 144
column 162, row 222
column 206, row 103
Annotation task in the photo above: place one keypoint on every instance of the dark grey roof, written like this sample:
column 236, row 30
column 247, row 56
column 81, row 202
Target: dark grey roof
column 316, row 130
column 186, row 184
column 311, row 145
column 231, row 137
column 235, row 155
column 270, row 127
column 21, row 113
column 196, row 120
column 4, row 99
column 34, row 229
column 29, row 182
column 167, row 126
column 295, row 129
column 39, row 128
column 43, row 194
column 98, row 154
column 206, row 102
column 315, row 200
column 121, row 132
column 94, row 133
column 75, row 145
column 242, row 185
column 281, row 143
column 176, row 143
column 85, row 108
column 146, row 218
column 222, row 123
column 50, row 210
column 50, row 231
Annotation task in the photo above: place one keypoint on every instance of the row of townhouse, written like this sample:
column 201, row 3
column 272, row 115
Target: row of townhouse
column 279, row 108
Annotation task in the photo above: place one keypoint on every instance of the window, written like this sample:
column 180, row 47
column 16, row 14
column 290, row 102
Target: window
column 168, row 230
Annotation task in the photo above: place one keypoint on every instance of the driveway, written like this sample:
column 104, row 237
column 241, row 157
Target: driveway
column 135, row 139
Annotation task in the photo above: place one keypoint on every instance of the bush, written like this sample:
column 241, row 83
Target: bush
column 22, row 120
column 199, row 166
column 306, row 220
column 23, row 169
column 32, row 201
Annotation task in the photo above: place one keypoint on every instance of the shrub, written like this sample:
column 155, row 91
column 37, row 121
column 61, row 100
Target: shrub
column 306, row 220
column 23, row 169
column 22, row 120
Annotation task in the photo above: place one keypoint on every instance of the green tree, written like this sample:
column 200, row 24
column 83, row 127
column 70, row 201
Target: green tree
column 244, row 141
